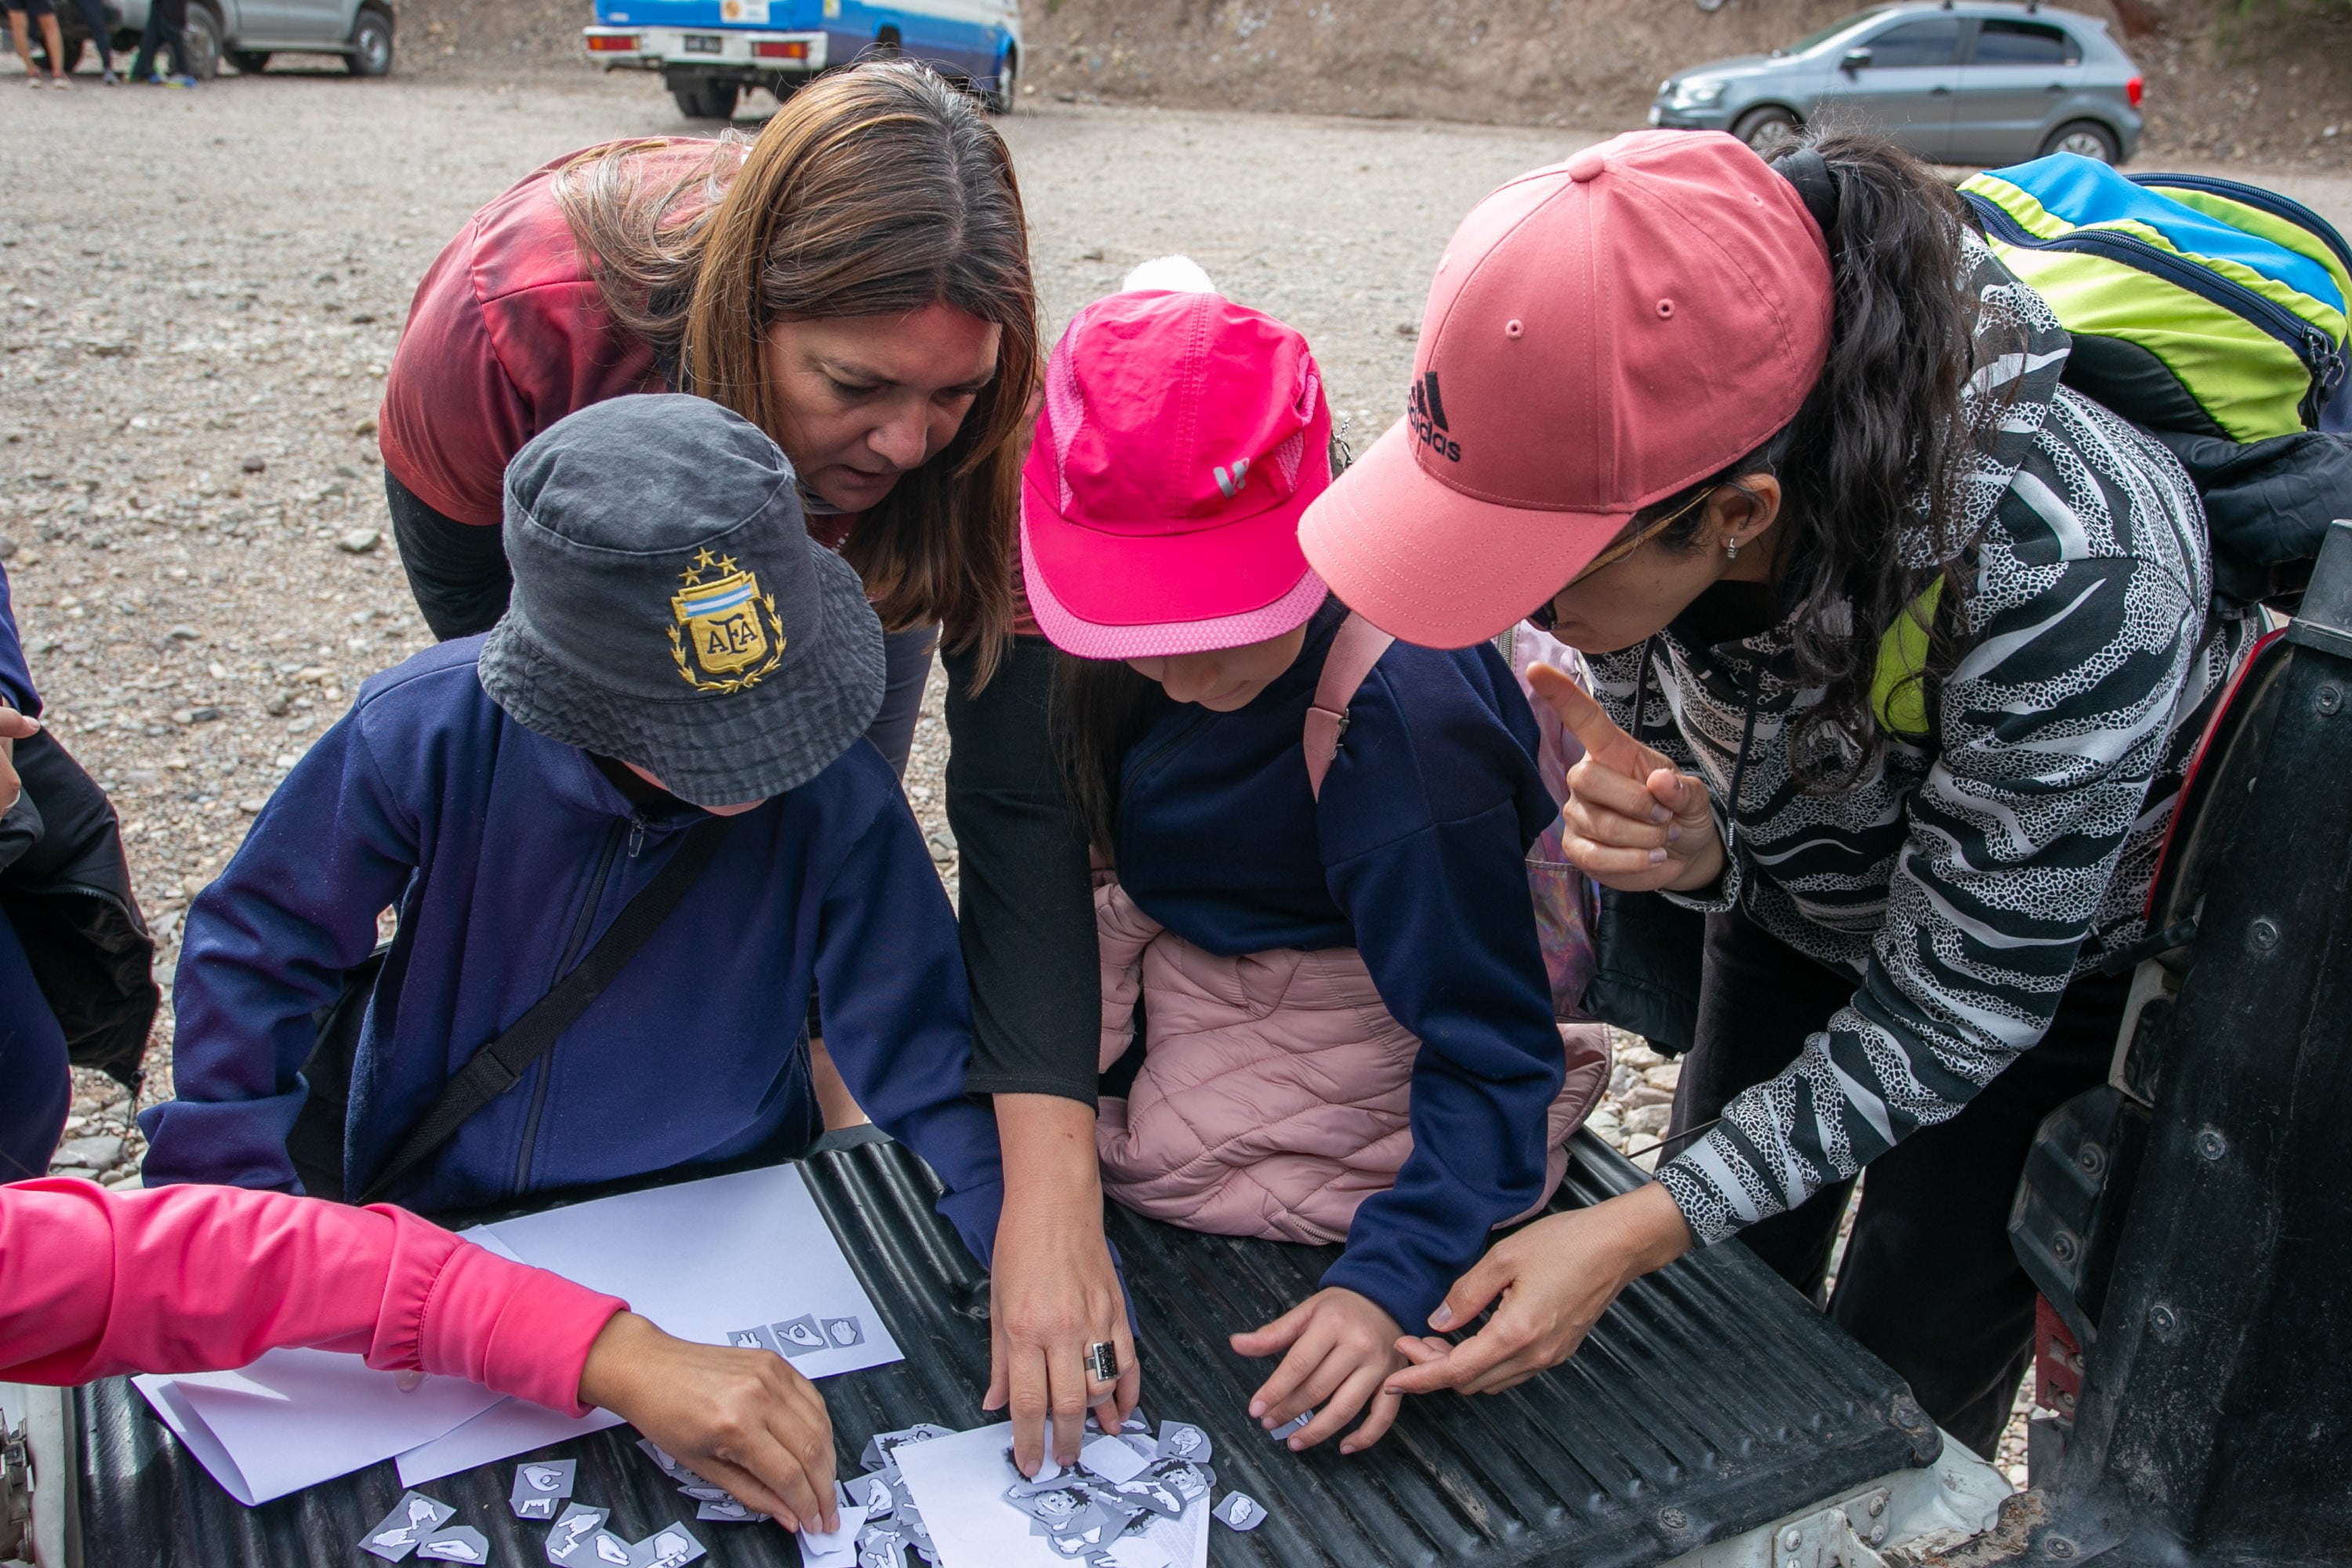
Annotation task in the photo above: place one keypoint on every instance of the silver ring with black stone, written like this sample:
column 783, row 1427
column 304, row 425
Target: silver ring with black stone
column 1102, row 1361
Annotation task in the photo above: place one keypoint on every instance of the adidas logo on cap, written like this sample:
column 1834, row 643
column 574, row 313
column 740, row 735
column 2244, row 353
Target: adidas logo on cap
column 1425, row 413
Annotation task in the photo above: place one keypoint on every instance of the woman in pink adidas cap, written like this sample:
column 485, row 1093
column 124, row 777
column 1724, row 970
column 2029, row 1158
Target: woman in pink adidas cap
column 1901, row 648
column 1351, row 1027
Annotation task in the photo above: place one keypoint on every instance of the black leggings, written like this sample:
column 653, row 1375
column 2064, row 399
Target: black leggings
column 1928, row 1282
column 167, row 22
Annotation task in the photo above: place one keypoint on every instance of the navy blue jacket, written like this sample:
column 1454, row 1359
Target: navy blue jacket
column 505, row 854
column 1416, row 856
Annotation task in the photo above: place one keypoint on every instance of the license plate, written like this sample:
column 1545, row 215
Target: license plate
column 704, row 43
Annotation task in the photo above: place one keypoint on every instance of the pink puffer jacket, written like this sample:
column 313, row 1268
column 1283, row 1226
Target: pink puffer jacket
column 1275, row 1088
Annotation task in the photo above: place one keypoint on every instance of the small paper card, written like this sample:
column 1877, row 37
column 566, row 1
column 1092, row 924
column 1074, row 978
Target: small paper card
column 568, row 1543
column 837, row 1549
column 541, row 1488
column 458, row 1543
column 1239, row 1512
column 672, row 1546
column 412, row 1520
column 1111, row 1460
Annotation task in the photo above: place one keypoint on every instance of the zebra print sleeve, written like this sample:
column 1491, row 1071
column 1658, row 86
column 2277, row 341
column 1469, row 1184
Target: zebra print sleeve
column 2090, row 619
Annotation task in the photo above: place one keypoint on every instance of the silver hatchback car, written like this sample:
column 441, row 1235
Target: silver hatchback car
column 1984, row 83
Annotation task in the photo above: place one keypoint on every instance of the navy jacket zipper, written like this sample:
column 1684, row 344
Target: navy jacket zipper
column 544, row 1068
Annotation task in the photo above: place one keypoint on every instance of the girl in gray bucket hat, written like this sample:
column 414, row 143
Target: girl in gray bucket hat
column 673, row 708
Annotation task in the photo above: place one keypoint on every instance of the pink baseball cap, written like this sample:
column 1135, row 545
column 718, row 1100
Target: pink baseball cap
column 1181, row 436
column 1601, row 334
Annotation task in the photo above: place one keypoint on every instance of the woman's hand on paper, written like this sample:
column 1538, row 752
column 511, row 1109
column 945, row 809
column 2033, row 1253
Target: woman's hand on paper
column 1341, row 1348
column 1053, row 1290
column 1555, row 1278
column 1632, row 821
column 742, row 1419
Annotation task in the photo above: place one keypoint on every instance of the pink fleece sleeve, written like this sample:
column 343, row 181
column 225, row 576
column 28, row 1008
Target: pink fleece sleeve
column 195, row 1278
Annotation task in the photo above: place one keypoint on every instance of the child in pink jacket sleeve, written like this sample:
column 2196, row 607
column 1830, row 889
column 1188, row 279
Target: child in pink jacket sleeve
column 198, row 1278
column 1320, row 838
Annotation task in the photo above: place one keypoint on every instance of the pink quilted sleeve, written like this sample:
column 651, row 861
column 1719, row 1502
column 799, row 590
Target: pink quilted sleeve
column 1123, row 931
column 195, row 1278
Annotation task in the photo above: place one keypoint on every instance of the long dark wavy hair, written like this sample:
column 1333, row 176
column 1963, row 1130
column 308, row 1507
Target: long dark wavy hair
column 1870, row 469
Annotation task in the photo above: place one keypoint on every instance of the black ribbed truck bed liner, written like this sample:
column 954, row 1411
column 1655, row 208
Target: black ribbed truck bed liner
column 1708, row 1401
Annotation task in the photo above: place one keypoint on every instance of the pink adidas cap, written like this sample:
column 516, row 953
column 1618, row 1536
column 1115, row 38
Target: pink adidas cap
column 1181, row 436
column 1600, row 335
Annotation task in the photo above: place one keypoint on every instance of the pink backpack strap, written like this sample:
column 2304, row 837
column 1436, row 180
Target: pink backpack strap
column 1356, row 646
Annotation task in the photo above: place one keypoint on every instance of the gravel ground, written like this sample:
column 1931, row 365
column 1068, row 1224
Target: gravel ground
column 202, row 291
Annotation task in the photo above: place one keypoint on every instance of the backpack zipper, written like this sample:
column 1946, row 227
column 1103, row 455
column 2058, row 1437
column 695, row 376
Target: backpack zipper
column 2261, row 200
column 2313, row 348
column 545, row 1066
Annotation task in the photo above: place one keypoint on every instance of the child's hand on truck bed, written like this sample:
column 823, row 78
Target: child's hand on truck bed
column 1341, row 1347
column 1555, row 1278
column 742, row 1419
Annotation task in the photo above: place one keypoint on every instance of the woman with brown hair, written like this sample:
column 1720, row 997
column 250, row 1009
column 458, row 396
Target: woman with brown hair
column 856, row 282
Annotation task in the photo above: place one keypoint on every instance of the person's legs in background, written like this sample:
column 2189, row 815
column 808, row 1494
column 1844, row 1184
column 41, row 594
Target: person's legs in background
column 22, row 15
column 35, row 1086
column 93, row 18
column 174, row 14
column 1929, row 1281
column 142, row 63
column 166, row 22
column 21, row 36
column 1758, row 1001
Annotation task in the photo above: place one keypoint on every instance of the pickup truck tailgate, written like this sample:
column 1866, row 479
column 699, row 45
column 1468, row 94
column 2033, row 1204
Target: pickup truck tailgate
column 1710, row 1400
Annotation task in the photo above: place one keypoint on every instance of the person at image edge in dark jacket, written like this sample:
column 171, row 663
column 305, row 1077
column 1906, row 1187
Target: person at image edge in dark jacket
column 671, row 622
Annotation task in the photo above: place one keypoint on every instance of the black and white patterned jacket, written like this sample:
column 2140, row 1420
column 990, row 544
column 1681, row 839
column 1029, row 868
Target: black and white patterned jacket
column 1966, row 877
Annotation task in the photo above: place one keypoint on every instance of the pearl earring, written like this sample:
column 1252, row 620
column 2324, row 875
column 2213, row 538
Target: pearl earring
column 1731, row 549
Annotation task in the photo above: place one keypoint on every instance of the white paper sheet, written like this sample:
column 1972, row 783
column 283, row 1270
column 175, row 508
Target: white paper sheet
column 958, row 1484
column 509, row 1427
column 296, row 1417
column 702, row 1259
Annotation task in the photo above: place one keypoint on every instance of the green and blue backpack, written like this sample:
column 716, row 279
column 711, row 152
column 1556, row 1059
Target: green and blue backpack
column 2195, row 304
column 2210, row 313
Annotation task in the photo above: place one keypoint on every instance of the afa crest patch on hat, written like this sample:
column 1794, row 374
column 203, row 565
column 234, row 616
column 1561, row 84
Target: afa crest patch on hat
column 716, row 634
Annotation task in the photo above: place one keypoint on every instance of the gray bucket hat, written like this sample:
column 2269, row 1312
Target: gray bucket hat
column 670, row 608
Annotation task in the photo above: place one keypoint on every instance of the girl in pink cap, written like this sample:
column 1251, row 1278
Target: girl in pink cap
column 1901, row 649
column 1316, row 840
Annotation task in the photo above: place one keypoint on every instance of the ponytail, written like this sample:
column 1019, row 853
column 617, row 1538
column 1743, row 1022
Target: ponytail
column 1871, row 470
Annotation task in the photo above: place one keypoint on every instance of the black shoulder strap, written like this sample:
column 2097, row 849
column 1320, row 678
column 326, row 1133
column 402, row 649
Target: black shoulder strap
column 496, row 1066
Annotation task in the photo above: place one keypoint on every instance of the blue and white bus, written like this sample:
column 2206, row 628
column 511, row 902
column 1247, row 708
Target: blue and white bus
column 709, row 51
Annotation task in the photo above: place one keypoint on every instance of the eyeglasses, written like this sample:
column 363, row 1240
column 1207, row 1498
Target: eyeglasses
column 1542, row 618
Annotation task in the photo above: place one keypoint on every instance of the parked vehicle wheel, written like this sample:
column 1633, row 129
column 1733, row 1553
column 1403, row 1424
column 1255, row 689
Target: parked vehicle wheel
column 371, row 44
column 1004, row 95
column 2085, row 138
column 249, row 62
column 202, row 36
column 706, row 99
column 1766, row 128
